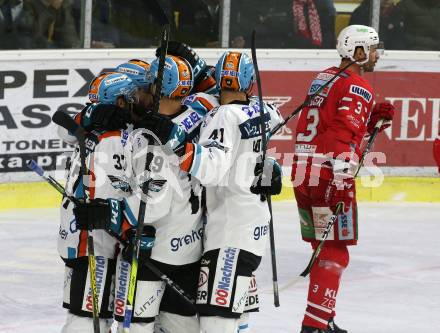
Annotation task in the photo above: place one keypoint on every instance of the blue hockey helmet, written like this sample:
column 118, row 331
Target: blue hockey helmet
column 234, row 71
column 178, row 76
column 136, row 70
column 107, row 87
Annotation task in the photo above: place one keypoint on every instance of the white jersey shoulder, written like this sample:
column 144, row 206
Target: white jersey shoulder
column 201, row 102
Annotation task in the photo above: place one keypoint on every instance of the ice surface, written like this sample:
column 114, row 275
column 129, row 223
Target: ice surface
column 392, row 284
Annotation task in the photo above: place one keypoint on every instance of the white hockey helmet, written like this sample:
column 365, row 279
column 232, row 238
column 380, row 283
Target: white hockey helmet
column 356, row 36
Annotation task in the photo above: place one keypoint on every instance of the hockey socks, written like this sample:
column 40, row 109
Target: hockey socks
column 324, row 284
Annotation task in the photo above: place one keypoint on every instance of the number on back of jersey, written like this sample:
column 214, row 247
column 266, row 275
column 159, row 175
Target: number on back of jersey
column 215, row 134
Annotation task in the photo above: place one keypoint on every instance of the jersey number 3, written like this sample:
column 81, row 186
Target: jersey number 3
column 311, row 130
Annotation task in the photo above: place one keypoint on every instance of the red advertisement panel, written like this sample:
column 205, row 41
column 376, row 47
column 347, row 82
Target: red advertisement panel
column 416, row 97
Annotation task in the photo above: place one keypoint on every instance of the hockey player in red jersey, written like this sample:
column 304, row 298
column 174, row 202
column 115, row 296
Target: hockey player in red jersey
column 330, row 131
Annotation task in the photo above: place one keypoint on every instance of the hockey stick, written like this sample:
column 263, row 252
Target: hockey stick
column 276, row 294
column 369, row 144
column 170, row 283
column 32, row 165
column 308, row 99
column 64, row 120
column 144, row 187
column 338, row 210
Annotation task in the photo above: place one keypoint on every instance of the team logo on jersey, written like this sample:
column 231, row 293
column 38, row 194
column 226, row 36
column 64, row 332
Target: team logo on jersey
column 317, row 85
column 359, row 91
column 156, row 185
column 120, row 184
column 215, row 144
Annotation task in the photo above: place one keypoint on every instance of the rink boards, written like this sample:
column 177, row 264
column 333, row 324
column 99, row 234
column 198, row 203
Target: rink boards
column 35, row 84
column 396, row 189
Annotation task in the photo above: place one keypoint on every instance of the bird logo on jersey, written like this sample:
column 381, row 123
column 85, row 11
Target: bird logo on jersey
column 120, row 184
column 152, row 185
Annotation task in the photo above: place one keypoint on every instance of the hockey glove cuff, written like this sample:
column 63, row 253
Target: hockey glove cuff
column 146, row 243
column 100, row 214
column 268, row 179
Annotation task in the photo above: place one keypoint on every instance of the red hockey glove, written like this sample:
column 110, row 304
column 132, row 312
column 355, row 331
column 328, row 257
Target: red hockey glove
column 437, row 152
column 340, row 190
column 380, row 111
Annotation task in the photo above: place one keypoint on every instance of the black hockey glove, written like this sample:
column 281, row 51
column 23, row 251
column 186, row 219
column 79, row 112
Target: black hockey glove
column 107, row 117
column 185, row 51
column 167, row 132
column 148, row 238
column 268, row 180
column 104, row 214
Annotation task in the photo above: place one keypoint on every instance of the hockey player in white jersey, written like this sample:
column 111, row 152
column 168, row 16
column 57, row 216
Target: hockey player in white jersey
column 225, row 161
column 237, row 220
column 178, row 245
column 204, row 83
column 106, row 169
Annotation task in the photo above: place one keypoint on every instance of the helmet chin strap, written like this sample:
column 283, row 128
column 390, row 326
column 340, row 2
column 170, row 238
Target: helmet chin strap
column 363, row 61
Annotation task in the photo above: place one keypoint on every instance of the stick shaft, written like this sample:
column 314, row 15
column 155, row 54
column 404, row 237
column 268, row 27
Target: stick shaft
column 276, row 295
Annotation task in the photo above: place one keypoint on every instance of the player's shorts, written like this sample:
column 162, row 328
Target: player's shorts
column 77, row 296
column 224, row 282
column 315, row 214
column 152, row 294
